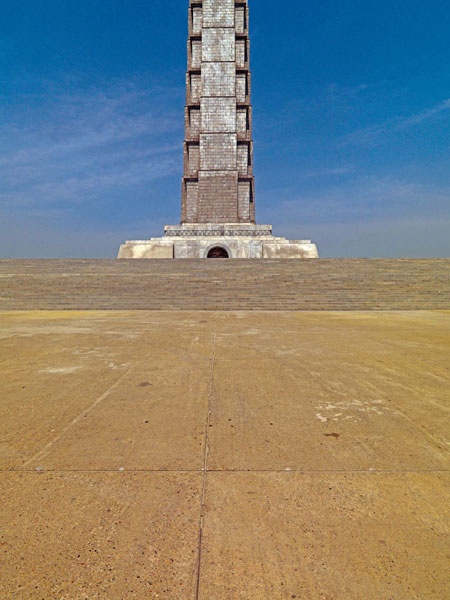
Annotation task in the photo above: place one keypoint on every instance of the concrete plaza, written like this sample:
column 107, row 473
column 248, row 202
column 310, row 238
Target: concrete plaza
column 224, row 455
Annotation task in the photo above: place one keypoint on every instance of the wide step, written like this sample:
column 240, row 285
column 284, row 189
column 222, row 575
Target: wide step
column 325, row 284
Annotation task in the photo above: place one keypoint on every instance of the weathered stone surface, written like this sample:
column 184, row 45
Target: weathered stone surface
column 218, row 151
column 281, row 248
column 270, row 284
column 158, row 248
column 240, row 240
column 219, row 116
column 216, row 194
column 98, row 535
column 218, row 79
column 326, row 535
column 218, row 13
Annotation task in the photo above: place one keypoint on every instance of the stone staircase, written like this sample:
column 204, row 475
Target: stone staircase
column 325, row 284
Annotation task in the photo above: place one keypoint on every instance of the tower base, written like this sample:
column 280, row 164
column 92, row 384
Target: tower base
column 211, row 240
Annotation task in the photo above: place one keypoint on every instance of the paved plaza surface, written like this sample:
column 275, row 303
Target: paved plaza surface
column 217, row 455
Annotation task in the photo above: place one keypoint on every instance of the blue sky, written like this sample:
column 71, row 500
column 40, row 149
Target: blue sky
column 351, row 105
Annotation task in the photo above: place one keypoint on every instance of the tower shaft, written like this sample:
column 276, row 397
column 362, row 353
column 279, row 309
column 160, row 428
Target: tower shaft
column 218, row 183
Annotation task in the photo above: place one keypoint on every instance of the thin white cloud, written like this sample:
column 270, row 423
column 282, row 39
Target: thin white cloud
column 71, row 148
column 376, row 134
column 358, row 199
column 326, row 172
column 383, row 237
column 369, row 216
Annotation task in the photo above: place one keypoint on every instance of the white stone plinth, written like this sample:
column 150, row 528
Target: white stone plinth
column 239, row 240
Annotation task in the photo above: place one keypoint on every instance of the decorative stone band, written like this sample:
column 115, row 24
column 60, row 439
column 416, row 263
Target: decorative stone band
column 218, row 233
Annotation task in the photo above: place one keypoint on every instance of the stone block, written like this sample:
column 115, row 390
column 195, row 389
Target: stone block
column 195, row 87
column 240, row 19
column 241, row 87
column 191, row 194
column 194, row 123
column 218, row 13
column 241, row 54
column 217, row 197
column 288, row 250
column 218, row 115
column 147, row 249
column 218, row 79
column 196, row 54
column 243, row 158
column 242, row 121
column 218, row 45
column 193, row 153
column 244, row 197
column 197, row 20
column 218, row 151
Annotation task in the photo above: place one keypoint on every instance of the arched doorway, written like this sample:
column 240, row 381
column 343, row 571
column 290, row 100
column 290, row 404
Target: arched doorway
column 218, row 252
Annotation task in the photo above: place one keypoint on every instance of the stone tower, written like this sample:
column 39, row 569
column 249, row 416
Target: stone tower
column 218, row 183
column 218, row 188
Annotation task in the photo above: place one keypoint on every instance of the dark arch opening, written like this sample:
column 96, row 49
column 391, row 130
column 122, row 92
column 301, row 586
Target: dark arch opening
column 218, row 252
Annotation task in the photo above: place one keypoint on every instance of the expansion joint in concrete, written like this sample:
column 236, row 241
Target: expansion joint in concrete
column 205, row 462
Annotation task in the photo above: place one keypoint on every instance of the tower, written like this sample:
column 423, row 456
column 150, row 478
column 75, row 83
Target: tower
column 218, row 187
column 218, row 183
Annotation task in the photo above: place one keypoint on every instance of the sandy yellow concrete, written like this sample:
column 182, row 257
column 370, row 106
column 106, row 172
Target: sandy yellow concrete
column 346, row 391
column 224, row 455
column 88, row 390
column 99, row 535
column 326, row 535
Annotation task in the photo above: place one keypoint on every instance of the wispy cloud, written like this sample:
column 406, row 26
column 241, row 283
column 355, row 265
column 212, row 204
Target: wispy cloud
column 326, row 172
column 377, row 134
column 383, row 237
column 67, row 149
column 366, row 216
column 361, row 198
